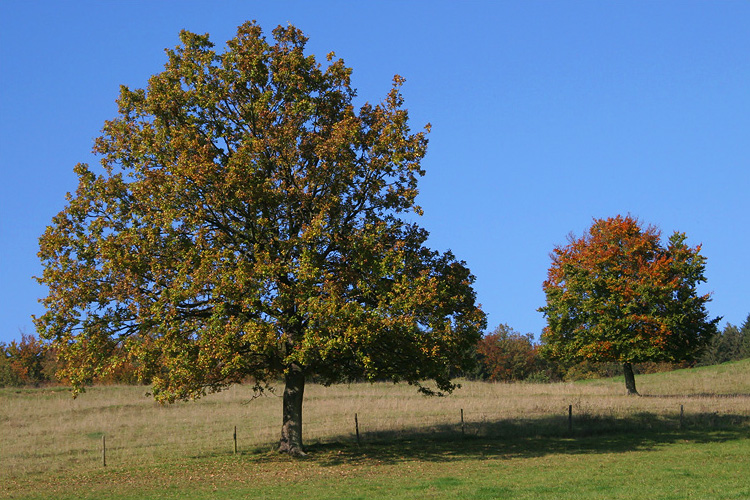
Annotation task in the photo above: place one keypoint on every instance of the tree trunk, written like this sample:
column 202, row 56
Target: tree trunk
column 627, row 368
column 291, row 429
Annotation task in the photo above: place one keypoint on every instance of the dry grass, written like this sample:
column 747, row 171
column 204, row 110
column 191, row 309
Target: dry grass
column 45, row 431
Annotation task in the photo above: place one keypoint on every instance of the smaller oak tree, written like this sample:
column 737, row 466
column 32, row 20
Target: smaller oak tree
column 617, row 294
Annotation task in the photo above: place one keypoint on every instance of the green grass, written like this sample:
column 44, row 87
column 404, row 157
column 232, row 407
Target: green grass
column 516, row 442
column 689, row 464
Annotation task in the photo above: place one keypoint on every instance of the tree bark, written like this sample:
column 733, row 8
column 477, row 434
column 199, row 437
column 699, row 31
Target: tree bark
column 291, row 429
column 627, row 369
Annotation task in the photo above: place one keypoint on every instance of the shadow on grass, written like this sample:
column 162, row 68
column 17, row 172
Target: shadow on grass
column 533, row 437
column 697, row 395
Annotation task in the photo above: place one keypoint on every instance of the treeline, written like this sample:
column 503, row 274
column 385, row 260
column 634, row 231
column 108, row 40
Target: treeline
column 731, row 344
column 504, row 355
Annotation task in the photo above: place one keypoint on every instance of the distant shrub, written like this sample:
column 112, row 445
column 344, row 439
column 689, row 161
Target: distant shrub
column 539, row 377
column 8, row 377
column 23, row 362
column 506, row 355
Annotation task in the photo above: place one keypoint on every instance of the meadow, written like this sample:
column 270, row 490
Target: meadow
column 516, row 441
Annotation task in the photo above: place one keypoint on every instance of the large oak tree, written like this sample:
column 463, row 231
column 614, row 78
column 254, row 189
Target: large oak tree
column 617, row 294
column 248, row 224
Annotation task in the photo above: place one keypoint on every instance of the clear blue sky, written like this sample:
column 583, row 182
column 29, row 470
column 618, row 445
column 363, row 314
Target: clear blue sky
column 545, row 115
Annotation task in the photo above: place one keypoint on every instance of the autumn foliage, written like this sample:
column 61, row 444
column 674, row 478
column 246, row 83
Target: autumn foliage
column 617, row 294
column 25, row 362
column 247, row 221
column 505, row 355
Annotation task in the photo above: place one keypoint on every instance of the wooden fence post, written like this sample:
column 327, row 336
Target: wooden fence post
column 235, row 439
column 104, row 451
column 356, row 427
column 570, row 418
column 463, row 429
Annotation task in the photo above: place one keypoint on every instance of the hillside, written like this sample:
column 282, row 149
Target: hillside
column 730, row 378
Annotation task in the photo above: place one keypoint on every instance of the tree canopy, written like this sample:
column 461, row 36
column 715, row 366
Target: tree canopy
column 248, row 222
column 617, row 294
column 506, row 355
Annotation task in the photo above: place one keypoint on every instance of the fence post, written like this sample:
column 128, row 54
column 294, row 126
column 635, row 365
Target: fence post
column 235, row 439
column 104, row 451
column 570, row 418
column 356, row 427
column 463, row 429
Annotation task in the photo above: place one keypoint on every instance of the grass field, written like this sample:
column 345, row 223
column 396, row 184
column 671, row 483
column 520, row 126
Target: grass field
column 515, row 442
